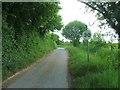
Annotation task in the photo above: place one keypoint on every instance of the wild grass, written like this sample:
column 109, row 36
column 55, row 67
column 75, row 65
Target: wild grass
column 106, row 79
column 100, row 72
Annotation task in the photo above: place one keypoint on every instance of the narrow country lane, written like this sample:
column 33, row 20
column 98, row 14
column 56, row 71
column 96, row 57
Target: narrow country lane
column 50, row 73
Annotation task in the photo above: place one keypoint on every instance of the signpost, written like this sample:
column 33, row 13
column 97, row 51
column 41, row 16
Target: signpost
column 87, row 35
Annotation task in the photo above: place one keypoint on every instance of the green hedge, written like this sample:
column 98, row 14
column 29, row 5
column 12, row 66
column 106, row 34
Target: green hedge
column 18, row 54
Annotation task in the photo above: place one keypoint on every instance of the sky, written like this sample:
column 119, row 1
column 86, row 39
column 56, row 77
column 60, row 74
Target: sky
column 74, row 10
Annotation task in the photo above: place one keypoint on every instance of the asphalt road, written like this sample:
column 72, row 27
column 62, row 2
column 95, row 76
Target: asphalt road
column 50, row 73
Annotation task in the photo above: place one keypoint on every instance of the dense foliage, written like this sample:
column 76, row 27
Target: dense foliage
column 25, row 16
column 55, row 38
column 73, row 31
column 26, row 34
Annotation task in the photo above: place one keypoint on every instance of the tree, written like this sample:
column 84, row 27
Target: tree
column 97, row 41
column 73, row 31
column 98, row 37
column 43, row 17
column 55, row 38
column 108, row 11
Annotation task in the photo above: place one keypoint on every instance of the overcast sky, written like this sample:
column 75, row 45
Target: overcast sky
column 74, row 10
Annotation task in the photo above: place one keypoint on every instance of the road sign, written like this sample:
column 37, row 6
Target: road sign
column 87, row 34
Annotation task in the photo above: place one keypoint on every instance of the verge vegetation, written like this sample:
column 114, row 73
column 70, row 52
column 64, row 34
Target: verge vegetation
column 100, row 72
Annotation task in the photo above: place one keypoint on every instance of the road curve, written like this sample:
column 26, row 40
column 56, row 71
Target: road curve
column 50, row 73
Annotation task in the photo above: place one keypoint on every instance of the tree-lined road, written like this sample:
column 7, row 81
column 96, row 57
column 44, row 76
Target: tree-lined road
column 52, row 72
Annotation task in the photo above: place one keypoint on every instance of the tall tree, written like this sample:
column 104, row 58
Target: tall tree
column 109, row 11
column 28, row 16
column 73, row 31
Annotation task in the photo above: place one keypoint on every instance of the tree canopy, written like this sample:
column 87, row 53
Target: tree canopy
column 27, row 16
column 73, row 31
column 109, row 11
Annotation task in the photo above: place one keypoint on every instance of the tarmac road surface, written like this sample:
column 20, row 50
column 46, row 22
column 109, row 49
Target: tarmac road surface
column 49, row 73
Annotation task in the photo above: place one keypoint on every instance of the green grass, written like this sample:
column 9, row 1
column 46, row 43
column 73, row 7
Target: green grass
column 106, row 79
column 100, row 72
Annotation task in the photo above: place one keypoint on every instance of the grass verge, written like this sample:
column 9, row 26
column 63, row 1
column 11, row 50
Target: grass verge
column 100, row 72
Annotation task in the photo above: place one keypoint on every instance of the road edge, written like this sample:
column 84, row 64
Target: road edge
column 70, row 82
column 18, row 74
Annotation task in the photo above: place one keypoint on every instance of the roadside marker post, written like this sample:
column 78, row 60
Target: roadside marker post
column 87, row 35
